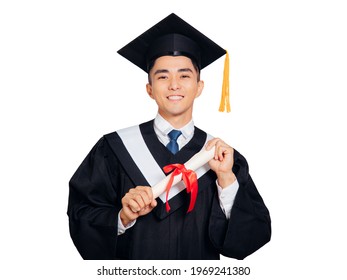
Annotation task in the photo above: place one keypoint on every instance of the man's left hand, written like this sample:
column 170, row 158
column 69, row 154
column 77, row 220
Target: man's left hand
column 223, row 162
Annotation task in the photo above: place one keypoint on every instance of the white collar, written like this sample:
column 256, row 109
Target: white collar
column 163, row 127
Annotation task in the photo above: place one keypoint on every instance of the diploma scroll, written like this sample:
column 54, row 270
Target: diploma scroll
column 198, row 160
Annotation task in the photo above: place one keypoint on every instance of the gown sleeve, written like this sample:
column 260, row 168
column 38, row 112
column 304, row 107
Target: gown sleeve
column 92, row 207
column 249, row 226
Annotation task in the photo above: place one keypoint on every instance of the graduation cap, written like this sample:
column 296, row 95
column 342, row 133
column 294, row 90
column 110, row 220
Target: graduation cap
column 173, row 36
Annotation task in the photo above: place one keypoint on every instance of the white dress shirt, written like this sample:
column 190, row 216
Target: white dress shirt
column 162, row 129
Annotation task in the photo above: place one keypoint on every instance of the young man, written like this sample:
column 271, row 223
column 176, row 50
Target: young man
column 112, row 211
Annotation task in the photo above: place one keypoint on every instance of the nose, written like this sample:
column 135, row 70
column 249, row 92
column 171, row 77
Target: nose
column 174, row 84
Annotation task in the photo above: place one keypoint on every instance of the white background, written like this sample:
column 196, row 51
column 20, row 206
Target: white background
column 63, row 86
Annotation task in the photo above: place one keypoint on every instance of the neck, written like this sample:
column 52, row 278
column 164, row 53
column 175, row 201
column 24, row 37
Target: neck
column 177, row 121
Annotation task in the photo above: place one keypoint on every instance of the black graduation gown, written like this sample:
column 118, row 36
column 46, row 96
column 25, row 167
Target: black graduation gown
column 108, row 172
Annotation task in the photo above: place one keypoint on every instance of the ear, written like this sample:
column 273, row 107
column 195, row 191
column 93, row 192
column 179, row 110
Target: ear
column 149, row 90
column 200, row 88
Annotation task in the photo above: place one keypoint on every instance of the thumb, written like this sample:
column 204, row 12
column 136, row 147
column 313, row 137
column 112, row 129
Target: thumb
column 154, row 203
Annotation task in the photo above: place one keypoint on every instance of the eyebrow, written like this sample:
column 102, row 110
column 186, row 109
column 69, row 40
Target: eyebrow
column 159, row 71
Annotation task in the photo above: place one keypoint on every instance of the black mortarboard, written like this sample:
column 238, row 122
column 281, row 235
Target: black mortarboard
column 174, row 36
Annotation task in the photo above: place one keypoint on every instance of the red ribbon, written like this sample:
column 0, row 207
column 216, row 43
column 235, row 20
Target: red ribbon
column 189, row 179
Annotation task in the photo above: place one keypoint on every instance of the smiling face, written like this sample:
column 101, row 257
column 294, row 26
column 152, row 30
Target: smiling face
column 174, row 86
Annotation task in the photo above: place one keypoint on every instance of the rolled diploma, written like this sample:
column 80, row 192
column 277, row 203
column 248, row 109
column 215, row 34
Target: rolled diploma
column 198, row 160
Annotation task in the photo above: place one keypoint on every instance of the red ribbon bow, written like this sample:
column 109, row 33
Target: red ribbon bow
column 189, row 179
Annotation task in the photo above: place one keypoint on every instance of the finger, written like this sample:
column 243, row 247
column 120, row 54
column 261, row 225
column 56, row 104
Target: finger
column 221, row 151
column 129, row 214
column 147, row 195
column 154, row 203
column 126, row 199
column 134, row 206
column 224, row 151
column 217, row 142
column 220, row 147
column 130, row 201
column 142, row 195
column 211, row 143
column 147, row 190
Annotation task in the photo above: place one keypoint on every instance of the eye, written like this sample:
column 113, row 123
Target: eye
column 185, row 76
column 162, row 77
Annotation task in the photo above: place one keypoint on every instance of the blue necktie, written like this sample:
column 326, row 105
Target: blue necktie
column 173, row 146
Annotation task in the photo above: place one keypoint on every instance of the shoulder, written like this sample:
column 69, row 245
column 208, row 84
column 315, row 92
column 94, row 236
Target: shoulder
column 239, row 157
column 127, row 131
column 198, row 132
column 118, row 141
column 240, row 166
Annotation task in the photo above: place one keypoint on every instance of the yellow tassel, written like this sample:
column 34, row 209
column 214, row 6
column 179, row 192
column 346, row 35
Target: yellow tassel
column 225, row 99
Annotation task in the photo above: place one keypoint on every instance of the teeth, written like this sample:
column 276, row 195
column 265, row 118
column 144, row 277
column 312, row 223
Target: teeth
column 175, row 97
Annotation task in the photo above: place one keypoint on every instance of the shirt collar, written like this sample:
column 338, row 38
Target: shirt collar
column 164, row 127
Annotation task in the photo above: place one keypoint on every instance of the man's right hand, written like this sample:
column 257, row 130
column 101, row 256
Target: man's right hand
column 137, row 202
